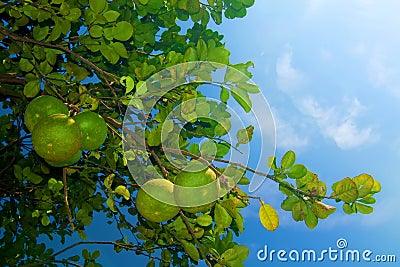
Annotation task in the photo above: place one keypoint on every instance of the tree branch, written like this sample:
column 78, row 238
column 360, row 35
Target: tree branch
column 58, row 47
column 66, row 199
column 203, row 255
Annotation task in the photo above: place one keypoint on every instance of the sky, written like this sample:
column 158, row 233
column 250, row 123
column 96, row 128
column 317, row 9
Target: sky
column 330, row 71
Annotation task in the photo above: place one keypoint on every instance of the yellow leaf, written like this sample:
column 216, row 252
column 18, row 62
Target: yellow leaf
column 268, row 217
column 121, row 190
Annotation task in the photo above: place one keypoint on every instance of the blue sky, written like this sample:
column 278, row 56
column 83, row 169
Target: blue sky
column 331, row 73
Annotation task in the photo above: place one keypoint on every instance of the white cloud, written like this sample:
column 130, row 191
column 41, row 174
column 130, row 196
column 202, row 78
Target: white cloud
column 383, row 74
column 338, row 125
column 288, row 78
column 287, row 134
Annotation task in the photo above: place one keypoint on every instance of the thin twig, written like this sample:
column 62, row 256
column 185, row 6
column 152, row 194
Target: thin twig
column 58, row 47
column 159, row 163
column 66, row 199
column 203, row 255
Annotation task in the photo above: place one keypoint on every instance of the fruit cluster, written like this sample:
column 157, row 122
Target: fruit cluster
column 58, row 138
column 160, row 200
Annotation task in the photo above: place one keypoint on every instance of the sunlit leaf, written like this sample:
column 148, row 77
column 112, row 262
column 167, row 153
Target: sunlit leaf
column 322, row 210
column 288, row 160
column 191, row 250
column 364, row 183
column 121, row 190
column 346, row 190
column 269, row 217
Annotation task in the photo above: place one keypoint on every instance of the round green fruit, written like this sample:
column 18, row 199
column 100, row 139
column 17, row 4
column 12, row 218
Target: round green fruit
column 56, row 138
column 196, row 191
column 93, row 128
column 155, row 200
column 74, row 159
column 42, row 107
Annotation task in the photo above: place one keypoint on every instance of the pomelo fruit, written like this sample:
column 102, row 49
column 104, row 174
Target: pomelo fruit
column 149, row 200
column 56, row 138
column 196, row 191
column 74, row 159
column 93, row 128
column 42, row 107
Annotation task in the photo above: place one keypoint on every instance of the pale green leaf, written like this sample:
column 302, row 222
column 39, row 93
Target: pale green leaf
column 346, row 190
column 97, row 5
column 288, row 160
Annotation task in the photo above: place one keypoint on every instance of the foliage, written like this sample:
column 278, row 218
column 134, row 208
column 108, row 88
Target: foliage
column 95, row 55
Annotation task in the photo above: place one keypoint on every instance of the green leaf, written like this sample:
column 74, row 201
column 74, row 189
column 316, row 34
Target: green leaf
column 288, row 160
column 34, row 178
column 82, row 234
column 242, row 97
column 224, row 95
column 39, row 33
column 297, row 171
column 364, row 209
column 190, row 55
column 244, row 181
column 364, row 183
column 45, row 220
column 346, row 190
column 74, row 258
column 111, row 15
column 234, row 256
column 204, row 220
column 74, row 14
column 348, row 209
column 96, row 31
column 111, row 204
column 95, row 254
column 311, row 220
column 85, row 254
column 299, row 211
column 18, row 172
column 376, row 188
column 268, row 217
column 191, row 250
column 25, row 65
column 55, row 185
column 222, row 217
column 321, row 210
column 109, row 53
column 230, row 206
column 289, row 202
column 97, row 5
column 151, row 263
column 144, row 2
column 122, row 31
column 250, row 87
column 245, row 135
column 218, row 54
column 120, row 49
column 122, row 191
column 368, row 200
column 128, row 82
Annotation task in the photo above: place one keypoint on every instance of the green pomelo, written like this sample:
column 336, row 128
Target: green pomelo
column 155, row 200
column 42, row 107
column 197, row 191
column 56, row 138
column 93, row 128
column 74, row 159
